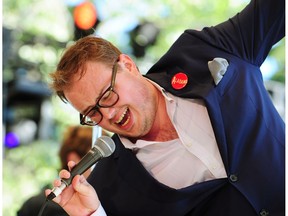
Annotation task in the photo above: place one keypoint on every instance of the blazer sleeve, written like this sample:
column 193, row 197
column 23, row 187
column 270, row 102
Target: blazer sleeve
column 251, row 33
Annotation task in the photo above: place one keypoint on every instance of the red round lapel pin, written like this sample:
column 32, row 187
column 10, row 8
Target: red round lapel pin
column 179, row 80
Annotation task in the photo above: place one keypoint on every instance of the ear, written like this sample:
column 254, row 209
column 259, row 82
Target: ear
column 127, row 62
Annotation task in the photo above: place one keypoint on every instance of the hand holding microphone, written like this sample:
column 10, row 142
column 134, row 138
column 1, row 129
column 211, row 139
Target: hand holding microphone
column 103, row 147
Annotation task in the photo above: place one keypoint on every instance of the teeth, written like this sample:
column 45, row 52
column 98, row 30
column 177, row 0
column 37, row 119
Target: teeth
column 122, row 116
column 125, row 123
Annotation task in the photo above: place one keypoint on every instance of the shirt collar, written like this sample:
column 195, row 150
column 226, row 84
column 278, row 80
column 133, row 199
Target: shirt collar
column 162, row 90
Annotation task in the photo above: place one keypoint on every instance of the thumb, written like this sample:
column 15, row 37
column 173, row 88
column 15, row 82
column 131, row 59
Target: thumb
column 81, row 185
column 87, row 194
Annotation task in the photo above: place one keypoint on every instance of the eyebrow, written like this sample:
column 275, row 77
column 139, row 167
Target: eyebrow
column 87, row 109
column 96, row 101
column 90, row 107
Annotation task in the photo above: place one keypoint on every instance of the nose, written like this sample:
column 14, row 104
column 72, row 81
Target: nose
column 108, row 113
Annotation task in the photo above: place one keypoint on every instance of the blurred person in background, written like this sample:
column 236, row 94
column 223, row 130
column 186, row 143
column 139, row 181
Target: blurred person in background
column 197, row 135
column 77, row 141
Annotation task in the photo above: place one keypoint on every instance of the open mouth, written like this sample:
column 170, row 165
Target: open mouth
column 124, row 118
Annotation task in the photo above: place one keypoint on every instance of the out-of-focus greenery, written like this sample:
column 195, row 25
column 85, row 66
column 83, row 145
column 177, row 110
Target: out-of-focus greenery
column 41, row 29
column 26, row 170
column 278, row 54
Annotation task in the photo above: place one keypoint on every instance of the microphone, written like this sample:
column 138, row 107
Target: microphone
column 103, row 147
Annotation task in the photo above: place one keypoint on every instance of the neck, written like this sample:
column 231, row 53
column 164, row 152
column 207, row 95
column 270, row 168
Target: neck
column 163, row 129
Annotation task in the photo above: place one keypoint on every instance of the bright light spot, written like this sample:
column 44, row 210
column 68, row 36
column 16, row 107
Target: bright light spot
column 49, row 55
column 25, row 51
column 11, row 140
column 73, row 2
column 269, row 68
column 26, row 130
column 85, row 15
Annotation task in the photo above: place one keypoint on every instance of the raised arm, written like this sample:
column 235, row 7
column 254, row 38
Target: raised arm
column 251, row 33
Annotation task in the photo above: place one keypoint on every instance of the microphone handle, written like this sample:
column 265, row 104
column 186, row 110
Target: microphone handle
column 84, row 164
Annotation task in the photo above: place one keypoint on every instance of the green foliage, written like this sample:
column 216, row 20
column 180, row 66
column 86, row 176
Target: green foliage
column 26, row 169
column 278, row 53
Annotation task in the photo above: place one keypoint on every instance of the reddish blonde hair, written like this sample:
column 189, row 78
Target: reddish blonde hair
column 73, row 62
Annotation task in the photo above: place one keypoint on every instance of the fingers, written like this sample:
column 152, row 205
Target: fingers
column 56, row 199
column 71, row 164
column 79, row 195
column 86, row 193
column 47, row 192
column 64, row 173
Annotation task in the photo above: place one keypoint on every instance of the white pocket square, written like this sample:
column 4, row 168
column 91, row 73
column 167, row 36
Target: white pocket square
column 218, row 67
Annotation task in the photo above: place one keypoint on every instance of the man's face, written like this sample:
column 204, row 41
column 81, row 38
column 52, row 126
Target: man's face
column 134, row 113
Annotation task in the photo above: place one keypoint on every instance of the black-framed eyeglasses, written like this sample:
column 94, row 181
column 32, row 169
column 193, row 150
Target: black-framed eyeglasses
column 108, row 99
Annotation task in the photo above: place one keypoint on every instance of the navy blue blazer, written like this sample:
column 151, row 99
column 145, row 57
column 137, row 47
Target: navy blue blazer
column 249, row 131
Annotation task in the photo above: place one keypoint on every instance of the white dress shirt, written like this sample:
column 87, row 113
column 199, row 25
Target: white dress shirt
column 192, row 158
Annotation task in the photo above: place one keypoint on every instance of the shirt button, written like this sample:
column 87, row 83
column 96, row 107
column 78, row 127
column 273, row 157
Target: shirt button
column 263, row 212
column 233, row 178
column 189, row 144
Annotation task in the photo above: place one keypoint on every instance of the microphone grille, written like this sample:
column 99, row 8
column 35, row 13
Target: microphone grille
column 106, row 145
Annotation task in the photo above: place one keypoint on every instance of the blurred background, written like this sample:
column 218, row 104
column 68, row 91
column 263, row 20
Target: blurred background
column 35, row 33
